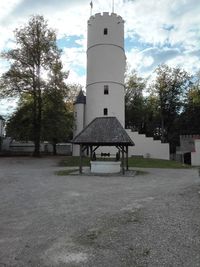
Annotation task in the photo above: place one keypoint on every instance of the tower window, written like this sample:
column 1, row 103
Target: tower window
column 105, row 31
column 106, row 90
column 105, row 111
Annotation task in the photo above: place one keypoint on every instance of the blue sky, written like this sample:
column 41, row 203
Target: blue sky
column 156, row 32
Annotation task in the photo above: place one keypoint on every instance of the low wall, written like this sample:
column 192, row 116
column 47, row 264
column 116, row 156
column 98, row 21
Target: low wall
column 195, row 156
column 14, row 147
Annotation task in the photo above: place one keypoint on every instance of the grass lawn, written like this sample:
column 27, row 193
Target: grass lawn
column 133, row 162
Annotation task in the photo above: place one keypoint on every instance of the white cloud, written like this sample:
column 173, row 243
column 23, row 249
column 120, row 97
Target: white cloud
column 74, row 78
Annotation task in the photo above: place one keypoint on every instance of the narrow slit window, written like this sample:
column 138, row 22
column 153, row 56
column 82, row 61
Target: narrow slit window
column 106, row 90
column 105, row 31
column 105, row 111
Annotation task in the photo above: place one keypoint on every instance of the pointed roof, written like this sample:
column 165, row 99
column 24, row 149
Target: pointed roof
column 81, row 98
column 103, row 131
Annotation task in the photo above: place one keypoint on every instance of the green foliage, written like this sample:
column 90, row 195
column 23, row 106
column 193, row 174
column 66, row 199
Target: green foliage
column 35, row 54
column 170, row 88
column 171, row 107
column 57, row 121
column 189, row 119
column 151, row 117
column 134, row 101
column 74, row 161
column 20, row 125
column 66, row 172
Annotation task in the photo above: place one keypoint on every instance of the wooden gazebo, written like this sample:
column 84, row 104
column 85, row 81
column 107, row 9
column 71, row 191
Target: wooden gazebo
column 103, row 131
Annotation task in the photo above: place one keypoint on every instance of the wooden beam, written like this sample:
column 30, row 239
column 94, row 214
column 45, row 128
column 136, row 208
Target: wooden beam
column 95, row 149
column 90, row 156
column 123, row 161
column 127, row 158
column 80, row 163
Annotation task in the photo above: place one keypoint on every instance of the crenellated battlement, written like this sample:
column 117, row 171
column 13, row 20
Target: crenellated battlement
column 105, row 14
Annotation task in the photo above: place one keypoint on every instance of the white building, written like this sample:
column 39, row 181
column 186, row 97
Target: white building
column 105, row 92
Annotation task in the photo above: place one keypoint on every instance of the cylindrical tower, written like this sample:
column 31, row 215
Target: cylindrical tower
column 79, row 118
column 105, row 67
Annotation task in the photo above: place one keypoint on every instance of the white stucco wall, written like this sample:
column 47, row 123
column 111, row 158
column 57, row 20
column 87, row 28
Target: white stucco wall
column 195, row 156
column 105, row 66
column 148, row 147
column 114, row 102
column 79, row 118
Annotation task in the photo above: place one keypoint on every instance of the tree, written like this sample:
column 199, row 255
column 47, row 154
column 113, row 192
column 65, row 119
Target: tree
column 189, row 119
column 73, row 91
column 19, row 126
column 170, row 87
column 57, row 119
column 36, row 51
column 151, row 116
column 134, row 101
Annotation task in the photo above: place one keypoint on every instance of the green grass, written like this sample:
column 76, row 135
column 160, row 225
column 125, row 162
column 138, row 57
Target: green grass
column 155, row 163
column 65, row 172
column 74, row 161
column 133, row 162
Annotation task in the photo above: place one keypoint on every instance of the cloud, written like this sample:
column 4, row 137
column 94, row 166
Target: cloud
column 156, row 32
column 145, row 61
column 27, row 7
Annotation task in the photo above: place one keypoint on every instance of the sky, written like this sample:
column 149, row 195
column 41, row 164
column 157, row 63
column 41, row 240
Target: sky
column 156, row 32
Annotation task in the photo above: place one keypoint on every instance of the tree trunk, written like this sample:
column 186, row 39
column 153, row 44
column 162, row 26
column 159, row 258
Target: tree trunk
column 38, row 112
column 162, row 129
column 54, row 149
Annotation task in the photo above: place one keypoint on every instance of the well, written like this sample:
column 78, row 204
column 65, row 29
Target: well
column 105, row 166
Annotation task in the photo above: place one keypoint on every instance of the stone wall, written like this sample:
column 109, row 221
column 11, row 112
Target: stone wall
column 195, row 156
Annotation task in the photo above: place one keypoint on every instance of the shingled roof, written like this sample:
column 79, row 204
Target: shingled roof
column 103, row 131
column 81, row 98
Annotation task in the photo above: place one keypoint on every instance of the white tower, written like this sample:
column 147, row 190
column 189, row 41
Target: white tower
column 79, row 118
column 105, row 67
column 79, row 113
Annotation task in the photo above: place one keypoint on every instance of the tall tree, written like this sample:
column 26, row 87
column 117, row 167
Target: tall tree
column 57, row 119
column 36, row 51
column 170, row 87
column 151, row 116
column 134, row 101
column 19, row 125
column 189, row 119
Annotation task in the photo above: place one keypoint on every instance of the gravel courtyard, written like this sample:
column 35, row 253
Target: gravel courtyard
column 151, row 219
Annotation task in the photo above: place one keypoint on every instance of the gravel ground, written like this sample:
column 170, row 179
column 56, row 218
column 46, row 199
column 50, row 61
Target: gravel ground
column 151, row 219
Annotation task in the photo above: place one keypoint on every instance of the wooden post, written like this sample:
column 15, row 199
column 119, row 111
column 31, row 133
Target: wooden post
column 80, row 164
column 122, row 160
column 90, row 155
column 90, row 152
column 127, row 158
